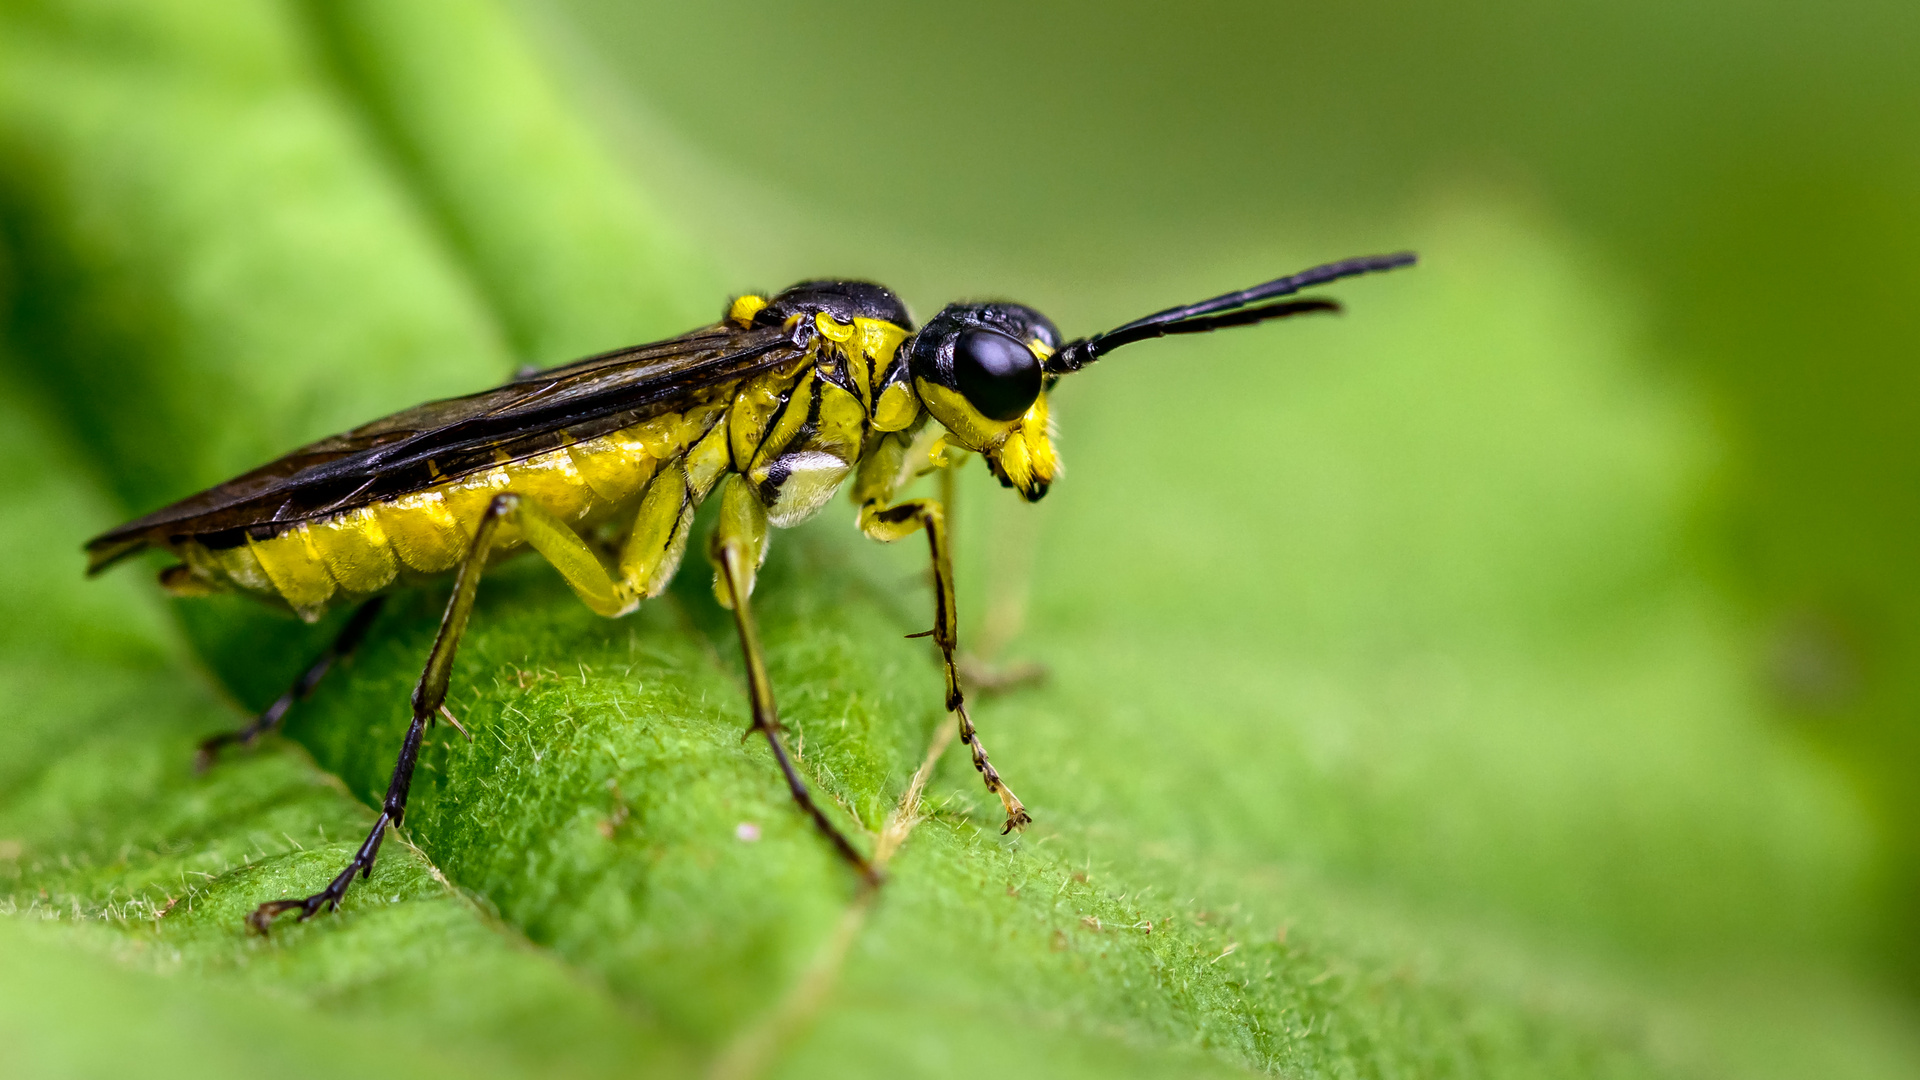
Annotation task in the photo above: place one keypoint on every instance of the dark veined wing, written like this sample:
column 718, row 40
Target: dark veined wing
column 446, row 439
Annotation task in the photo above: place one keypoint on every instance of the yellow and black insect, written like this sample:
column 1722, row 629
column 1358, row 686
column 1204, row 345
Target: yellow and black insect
column 599, row 465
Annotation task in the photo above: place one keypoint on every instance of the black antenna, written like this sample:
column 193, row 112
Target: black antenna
column 1243, row 308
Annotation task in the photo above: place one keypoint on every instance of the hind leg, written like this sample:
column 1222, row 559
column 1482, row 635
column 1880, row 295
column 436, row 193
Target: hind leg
column 342, row 647
column 582, row 570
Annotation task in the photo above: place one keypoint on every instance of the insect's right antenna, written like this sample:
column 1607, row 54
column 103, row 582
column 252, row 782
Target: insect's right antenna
column 1243, row 308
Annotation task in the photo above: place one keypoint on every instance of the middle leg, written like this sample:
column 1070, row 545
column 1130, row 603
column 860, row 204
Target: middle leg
column 736, row 546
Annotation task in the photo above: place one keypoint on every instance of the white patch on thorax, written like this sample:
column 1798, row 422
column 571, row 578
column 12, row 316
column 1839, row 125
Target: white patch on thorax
column 801, row 484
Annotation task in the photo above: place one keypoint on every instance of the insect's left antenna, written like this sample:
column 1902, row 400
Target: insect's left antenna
column 1243, row 308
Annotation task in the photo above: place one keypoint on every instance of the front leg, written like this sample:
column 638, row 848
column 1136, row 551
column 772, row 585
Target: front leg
column 890, row 523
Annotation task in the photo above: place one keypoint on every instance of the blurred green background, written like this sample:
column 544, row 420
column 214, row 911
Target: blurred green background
column 1516, row 676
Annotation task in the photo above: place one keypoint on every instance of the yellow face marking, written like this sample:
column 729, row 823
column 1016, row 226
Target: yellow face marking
column 355, row 550
column 743, row 310
column 296, row 571
column 1020, row 450
column 957, row 415
column 1027, row 458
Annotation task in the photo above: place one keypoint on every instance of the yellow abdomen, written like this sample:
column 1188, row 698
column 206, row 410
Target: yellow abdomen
column 358, row 552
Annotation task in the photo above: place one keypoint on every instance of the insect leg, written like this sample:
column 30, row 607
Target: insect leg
column 581, row 569
column 343, row 645
column 889, row 523
column 658, row 539
column 735, row 547
column 1006, row 610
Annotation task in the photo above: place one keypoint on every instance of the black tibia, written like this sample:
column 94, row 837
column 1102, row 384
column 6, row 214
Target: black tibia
column 428, row 695
column 731, row 558
column 343, row 645
column 945, row 634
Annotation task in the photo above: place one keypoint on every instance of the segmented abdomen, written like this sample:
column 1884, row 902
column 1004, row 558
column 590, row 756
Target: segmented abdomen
column 313, row 564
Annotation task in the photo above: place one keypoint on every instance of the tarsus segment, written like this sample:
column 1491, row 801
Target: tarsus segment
column 509, row 515
column 428, row 695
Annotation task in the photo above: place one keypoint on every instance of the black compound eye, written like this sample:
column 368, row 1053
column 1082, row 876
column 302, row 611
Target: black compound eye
column 996, row 374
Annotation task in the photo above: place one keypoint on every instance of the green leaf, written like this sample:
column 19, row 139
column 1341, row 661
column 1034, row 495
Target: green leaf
column 1385, row 733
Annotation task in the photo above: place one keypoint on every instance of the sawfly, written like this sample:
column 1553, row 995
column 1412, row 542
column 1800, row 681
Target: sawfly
column 599, row 465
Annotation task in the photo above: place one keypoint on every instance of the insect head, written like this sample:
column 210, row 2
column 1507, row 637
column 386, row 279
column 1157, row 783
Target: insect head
column 983, row 369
